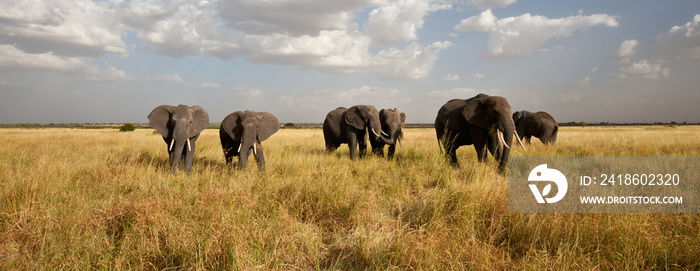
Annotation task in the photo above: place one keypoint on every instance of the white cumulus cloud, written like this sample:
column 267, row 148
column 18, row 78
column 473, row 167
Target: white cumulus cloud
column 209, row 85
column 682, row 41
column 644, row 69
column 64, row 27
column 482, row 22
column 487, row 4
column 321, row 35
column 627, row 50
column 451, row 77
column 413, row 62
column 76, row 68
column 296, row 18
column 584, row 82
column 399, row 21
column 517, row 37
column 166, row 78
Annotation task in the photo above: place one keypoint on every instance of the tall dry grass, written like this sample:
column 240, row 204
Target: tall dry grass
column 100, row 199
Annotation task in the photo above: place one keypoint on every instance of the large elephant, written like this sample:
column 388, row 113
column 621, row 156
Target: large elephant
column 179, row 126
column 243, row 131
column 350, row 126
column 392, row 122
column 540, row 125
column 484, row 121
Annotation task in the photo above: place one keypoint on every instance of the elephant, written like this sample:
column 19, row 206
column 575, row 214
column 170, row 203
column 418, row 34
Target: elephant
column 351, row 125
column 179, row 126
column 243, row 131
column 541, row 125
column 484, row 121
column 392, row 122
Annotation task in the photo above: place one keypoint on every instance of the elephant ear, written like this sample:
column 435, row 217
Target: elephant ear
column 268, row 125
column 200, row 120
column 233, row 125
column 159, row 119
column 475, row 112
column 354, row 117
column 517, row 116
column 403, row 117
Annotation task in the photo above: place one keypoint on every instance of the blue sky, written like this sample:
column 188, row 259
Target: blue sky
column 114, row 60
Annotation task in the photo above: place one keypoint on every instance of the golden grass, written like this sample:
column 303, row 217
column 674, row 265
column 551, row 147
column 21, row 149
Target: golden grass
column 101, row 199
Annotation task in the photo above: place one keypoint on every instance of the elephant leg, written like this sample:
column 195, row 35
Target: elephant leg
column 378, row 150
column 481, row 152
column 452, row 154
column 229, row 157
column 480, row 144
column 362, row 144
column 352, row 144
column 392, row 149
column 260, row 157
column 363, row 149
column 495, row 148
column 330, row 147
column 450, row 150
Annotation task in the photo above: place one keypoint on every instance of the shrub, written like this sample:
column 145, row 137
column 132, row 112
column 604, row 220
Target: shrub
column 127, row 127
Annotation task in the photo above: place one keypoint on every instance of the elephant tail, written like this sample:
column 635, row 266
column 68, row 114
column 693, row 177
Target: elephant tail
column 553, row 138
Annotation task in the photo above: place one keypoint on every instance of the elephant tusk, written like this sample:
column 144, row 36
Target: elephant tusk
column 255, row 151
column 239, row 147
column 500, row 136
column 384, row 133
column 399, row 140
column 188, row 145
column 518, row 137
column 375, row 133
column 172, row 143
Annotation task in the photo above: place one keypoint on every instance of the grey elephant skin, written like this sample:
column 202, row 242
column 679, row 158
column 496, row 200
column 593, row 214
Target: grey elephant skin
column 351, row 125
column 243, row 132
column 483, row 121
column 392, row 123
column 180, row 127
column 540, row 125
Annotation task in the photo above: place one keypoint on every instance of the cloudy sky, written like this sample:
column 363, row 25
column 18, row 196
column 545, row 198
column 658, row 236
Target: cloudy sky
column 115, row 60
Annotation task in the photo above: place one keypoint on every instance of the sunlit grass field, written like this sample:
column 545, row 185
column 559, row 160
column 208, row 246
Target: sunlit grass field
column 102, row 199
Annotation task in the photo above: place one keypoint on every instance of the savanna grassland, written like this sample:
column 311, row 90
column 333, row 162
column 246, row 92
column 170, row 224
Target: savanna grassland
column 102, row 199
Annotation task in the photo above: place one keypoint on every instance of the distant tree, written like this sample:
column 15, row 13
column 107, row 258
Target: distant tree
column 583, row 124
column 127, row 127
column 288, row 125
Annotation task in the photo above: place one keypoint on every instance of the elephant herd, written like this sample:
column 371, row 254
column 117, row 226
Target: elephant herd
column 483, row 121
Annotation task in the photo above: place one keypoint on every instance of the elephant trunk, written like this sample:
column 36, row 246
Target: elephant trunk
column 507, row 128
column 243, row 154
column 244, row 149
column 172, row 143
column 377, row 137
column 176, row 150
